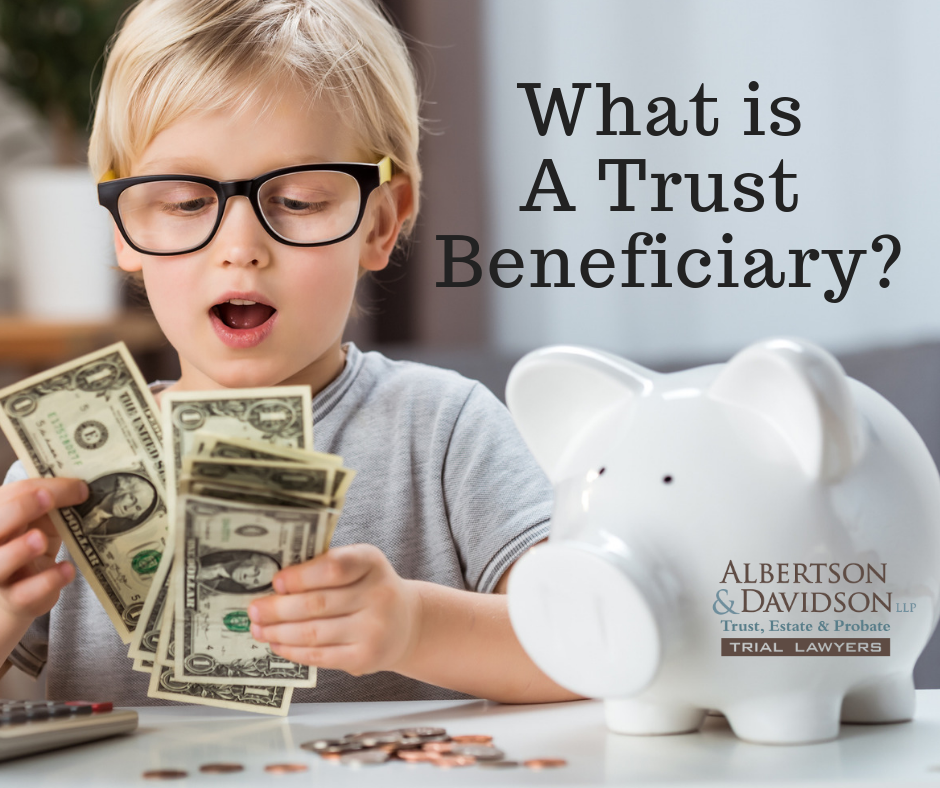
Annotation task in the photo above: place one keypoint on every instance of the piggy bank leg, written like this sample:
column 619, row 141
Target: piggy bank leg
column 646, row 718
column 884, row 699
column 795, row 718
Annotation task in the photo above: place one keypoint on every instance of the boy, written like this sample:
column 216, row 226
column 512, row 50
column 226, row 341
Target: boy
column 300, row 102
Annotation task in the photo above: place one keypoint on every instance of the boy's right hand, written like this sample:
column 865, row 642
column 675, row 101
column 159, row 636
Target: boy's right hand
column 30, row 578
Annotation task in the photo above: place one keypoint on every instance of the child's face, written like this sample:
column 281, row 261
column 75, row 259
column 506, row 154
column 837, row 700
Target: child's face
column 310, row 289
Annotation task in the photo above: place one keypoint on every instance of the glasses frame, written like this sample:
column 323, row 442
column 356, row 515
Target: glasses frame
column 368, row 176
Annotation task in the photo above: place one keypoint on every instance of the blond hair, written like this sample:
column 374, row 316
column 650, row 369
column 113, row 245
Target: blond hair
column 171, row 58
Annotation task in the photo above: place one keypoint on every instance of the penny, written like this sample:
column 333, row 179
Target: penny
column 475, row 739
column 498, row 764
column 545, row 763
column 285, row 768
column 449, row 761
column 415, row 756
column 364, row 758
column 437, row 746
column 331, row 756
column 165, row 774
column 482, row 752
column 221, row 768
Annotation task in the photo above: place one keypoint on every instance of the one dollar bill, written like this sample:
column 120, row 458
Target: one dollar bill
column 226, row 556
column 95, row 419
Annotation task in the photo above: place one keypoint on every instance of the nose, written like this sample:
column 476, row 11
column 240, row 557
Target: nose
column 586, row 619
column 241, row 240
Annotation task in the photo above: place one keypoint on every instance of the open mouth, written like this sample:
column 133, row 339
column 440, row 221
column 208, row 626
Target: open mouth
column 240, row 314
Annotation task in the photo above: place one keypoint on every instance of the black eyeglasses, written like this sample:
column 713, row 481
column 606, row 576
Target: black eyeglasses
column 307, row 205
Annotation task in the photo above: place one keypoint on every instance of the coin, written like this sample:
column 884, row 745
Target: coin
column 346, row 746
column 422, row 732
column 331, row 756
column 545, row 763
column 415, row 756
column 221, row 768
column 364, row 758
column 374, row 739
column 425, row 739
column 285, row 768
column 437, row 746
column 483, row 752
column 165, row 774
column 498, row 764
column 449, row 761
column 474, row 739
column 321, row 744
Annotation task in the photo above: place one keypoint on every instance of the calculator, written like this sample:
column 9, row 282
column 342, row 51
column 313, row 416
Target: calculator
column 31, row 726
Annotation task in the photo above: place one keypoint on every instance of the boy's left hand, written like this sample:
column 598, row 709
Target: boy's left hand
column 346, row 609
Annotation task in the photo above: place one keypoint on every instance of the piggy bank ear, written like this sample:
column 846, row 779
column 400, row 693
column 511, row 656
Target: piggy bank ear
column 804, row 392
column 555, row 392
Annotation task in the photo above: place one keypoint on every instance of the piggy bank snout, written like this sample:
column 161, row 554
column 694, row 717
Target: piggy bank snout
column 585, row 619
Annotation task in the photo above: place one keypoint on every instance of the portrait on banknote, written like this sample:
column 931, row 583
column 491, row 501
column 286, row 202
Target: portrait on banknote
column 237, row 571
column 117, row 502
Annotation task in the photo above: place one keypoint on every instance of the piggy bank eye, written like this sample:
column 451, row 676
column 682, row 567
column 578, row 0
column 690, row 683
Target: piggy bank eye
column 667, row 479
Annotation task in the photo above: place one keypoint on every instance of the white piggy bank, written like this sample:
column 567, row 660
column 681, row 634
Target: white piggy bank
column 760, row 537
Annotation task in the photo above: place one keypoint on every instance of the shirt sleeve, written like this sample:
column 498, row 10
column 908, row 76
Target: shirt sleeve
column 16, row 473
column 498, row 499
column 30, row 654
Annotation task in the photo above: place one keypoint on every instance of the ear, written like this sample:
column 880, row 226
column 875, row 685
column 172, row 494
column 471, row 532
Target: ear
column 127, row 259
column 555, row 392
column 803, row 392
column 388, row 207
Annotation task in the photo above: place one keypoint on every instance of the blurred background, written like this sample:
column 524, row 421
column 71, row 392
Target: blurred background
column 865, row 74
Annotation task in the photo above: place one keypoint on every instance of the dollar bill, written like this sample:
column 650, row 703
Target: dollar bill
column 94, row 418
column 304, row 481
column 231, row 492
column 264, row 700
column 164, row 685
column 279, row 417
column 214, row 446
column 208, row 444
column 226, row 556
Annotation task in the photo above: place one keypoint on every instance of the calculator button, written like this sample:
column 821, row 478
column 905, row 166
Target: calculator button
column 94, row 706
column 12, row 717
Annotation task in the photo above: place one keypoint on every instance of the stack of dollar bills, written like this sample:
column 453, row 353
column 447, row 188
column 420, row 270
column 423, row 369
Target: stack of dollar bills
column 191, row 513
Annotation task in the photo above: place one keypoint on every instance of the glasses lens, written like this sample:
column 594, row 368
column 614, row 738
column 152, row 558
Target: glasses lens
column 311, row 207
column 168, row 216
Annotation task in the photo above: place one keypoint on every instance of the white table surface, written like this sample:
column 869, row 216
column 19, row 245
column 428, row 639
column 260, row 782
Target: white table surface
column 183, row 737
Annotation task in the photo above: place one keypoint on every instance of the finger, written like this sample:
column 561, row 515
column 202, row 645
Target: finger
column 334, row 569
column 37, row 594
column 330, row 657
column 18, row 512
column 303, row 606
column 45, row 525
column 311, row 634
column 34, row 567
column 64, row 492
column 19, row 552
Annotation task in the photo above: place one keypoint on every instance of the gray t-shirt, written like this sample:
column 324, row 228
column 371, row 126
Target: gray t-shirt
column 445, row 487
